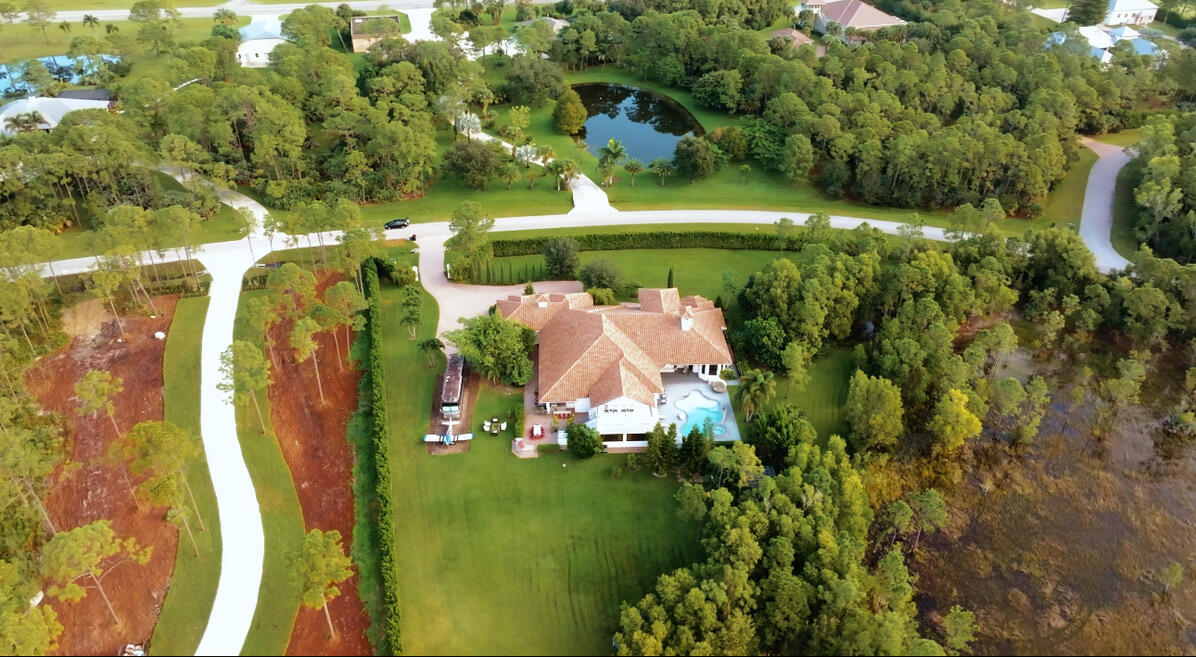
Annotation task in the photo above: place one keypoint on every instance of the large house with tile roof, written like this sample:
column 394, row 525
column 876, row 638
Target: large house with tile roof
column 605, row 363
column 854, row 15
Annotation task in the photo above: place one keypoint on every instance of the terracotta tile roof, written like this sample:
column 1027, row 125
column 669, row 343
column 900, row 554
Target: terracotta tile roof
column 793, row 35
column 858, row 14
column 606, row 352
column 535, row 310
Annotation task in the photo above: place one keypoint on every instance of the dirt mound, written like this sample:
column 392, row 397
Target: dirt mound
column 85, row 319
column 96, row 491
column 311, row 434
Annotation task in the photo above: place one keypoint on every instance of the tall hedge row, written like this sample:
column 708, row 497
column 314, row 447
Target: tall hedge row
column 694, row 239
column 380, row 441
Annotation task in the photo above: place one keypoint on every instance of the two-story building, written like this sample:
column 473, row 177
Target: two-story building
column 614, row 367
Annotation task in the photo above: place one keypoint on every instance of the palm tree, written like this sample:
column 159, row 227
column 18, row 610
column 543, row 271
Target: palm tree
column 569, row 170
column 90, row 21
column 510, row 173
column 24, row 122
column 555, row 169
column 545, row 153
column 756, row 389
column 64, row 26
column 633, row 167
column 609, row 156
column 663, row 167
column 111, row 29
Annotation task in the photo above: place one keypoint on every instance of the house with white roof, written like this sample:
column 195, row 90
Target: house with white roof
column 623, row 369
column 51, row 110
column 1100, row 41
column 1131, row 12
column 258, row 40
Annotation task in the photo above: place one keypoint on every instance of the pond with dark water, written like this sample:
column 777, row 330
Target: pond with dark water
column 648, row 124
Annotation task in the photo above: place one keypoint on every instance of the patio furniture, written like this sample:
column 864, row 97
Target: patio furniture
column 485, row 425
column 493, row 426
column 537, row 431
column 502, row 427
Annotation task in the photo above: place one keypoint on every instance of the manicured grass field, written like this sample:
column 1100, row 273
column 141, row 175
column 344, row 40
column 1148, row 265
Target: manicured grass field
column 193, row 583
column 1123, row 236
column 19, row 41
column 824, row 395
column 1123, row 138
column 282, row 520
column 500, row 555
column 1066, row 202
column 84, row 5
column 695, row 271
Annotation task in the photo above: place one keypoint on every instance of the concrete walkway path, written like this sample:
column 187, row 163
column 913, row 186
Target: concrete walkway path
column 1096, row 220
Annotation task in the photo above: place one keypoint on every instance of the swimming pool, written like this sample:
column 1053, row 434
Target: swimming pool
column 698, row 419
column 698, row 408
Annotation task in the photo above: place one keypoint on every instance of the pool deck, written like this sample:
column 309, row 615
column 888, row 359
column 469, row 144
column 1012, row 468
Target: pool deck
column 679, row 386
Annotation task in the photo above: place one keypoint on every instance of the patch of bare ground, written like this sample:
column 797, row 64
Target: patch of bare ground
column 95, row 491
column 311, row 434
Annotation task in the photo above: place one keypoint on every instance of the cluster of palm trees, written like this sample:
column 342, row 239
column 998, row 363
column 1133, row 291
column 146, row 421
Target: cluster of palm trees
column 610, row 155
column 88, row 21
column 24, row 122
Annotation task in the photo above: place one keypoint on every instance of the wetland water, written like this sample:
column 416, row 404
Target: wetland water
column 648, row 124
column 1060, row 547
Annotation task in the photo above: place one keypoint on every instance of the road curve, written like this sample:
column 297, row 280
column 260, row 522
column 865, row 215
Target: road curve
column 1096, row 220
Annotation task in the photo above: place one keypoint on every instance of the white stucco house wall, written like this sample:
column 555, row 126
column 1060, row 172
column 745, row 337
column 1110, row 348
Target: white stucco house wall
column 258, row 40
column 604, row 364
column 1131, row 12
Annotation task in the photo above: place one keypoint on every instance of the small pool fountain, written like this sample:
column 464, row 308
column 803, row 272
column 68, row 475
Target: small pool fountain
column 697, row 409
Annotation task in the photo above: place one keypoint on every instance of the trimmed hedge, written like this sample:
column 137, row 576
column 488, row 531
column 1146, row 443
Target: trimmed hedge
column 697, row 239
column 374, row 385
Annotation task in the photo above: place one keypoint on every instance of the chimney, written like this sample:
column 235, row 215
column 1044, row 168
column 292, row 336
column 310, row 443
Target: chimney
column 687, row 322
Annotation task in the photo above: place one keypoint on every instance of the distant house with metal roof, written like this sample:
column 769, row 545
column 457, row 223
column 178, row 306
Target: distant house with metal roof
column 50, row 111
column 363, row 30
column 258, row 40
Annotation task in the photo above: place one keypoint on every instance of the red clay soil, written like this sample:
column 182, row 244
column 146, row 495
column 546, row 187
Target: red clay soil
column 95, row 491
column 312, row 436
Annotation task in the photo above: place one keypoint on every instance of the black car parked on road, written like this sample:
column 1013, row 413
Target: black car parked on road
column 397, row 223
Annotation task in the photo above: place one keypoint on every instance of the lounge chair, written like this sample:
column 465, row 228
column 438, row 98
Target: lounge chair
column 503, row 427
column 485, row 425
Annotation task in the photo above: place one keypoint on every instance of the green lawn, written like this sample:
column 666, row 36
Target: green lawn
column 695, row 271
column 20, row 41
column 193, row 583
column 500, row 555
column 1123, row 138
column 1066, row 202
column 83, row 5
column 282, row 520
column 1125, row 211
column 826, row 392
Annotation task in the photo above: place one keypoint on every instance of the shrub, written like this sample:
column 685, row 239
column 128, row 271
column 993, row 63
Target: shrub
column 603, row 296
column 548, row 449
column 601, row 273
column 474, row 162
column 633, row 462
column 560, row 258
column 695, row 158
column 583, row 441
column 697, row 239
column 373, row 387
column 516, row 419
column 569, row 115
column 529, row 289
column 1187, row 36
column 615, row 472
